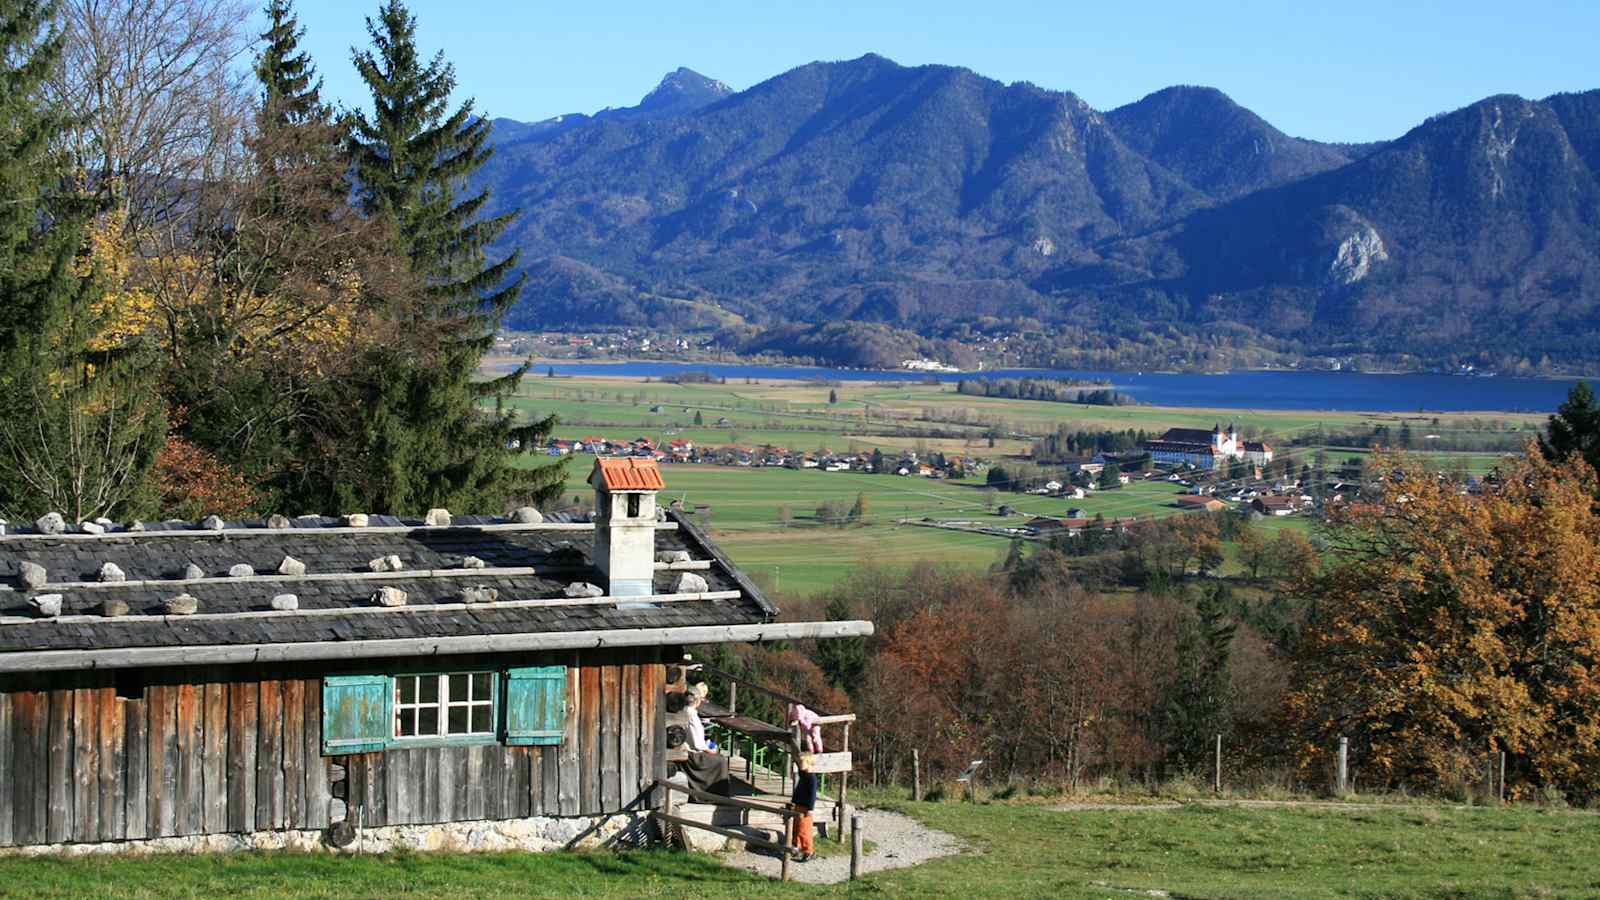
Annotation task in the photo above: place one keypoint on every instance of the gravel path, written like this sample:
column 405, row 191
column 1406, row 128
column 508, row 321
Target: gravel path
column 900, row 841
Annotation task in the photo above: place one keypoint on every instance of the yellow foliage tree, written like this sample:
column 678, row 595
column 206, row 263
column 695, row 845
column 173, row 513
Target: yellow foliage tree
column 1451, row 626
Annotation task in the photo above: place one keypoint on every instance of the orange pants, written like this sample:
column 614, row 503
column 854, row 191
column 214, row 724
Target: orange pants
column 802, row 833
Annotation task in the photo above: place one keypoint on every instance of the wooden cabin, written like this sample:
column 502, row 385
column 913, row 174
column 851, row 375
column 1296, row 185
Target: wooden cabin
column 367, row 681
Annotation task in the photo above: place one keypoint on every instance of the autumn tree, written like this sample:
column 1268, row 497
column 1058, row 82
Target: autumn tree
column 268, row 292
column 1254, row 549
column 1450, row 626
column 81, row 424
column 1291, row 554
column 861, row 508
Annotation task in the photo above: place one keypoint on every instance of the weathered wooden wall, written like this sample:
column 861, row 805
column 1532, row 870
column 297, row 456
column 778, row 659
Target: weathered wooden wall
column 225, row 750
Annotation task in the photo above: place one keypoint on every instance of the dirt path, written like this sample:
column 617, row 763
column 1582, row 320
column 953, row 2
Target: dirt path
column 899, row 841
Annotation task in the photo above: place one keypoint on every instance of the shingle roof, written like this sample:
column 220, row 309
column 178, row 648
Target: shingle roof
column 629, row 473
column 529, row 567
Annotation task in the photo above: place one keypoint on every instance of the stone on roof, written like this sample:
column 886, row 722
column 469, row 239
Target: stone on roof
column 521, row 589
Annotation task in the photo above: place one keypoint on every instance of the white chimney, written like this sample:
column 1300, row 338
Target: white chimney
column 625, row 523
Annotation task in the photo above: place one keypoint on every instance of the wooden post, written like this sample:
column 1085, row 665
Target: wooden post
column 733, row 698
column 844, row 786
column 1343, row 779
column 788, row 843
column 855, row 847
column 916, row 775
column 1217, row 786
column 1502, row 776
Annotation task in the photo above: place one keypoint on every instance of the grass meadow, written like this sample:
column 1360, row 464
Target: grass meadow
column 1015, row 849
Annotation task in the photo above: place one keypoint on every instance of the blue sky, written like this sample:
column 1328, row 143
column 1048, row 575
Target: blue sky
column 1337, row 71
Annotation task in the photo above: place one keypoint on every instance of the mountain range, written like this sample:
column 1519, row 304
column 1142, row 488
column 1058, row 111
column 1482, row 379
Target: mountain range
column 934, row 204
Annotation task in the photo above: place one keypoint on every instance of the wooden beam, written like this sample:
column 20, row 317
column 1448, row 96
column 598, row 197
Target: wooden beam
column 120, row 536
column 255, row 614
column 828, row 763
column 725, row 832
column 224, row 654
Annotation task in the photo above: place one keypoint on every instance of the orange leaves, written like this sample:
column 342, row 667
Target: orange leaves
column 193, row 483
column 1451, row 620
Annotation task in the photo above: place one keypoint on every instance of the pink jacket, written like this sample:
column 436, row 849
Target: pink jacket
column 810, row 731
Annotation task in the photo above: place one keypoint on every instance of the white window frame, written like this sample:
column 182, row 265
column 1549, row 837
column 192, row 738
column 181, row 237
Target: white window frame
column 443, row 704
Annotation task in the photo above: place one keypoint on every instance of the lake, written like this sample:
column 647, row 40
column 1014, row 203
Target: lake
column 1277, row 390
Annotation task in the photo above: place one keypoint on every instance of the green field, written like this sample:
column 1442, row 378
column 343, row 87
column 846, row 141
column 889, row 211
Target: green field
column 1016, row 850
column 806, row 556
column 803, row 556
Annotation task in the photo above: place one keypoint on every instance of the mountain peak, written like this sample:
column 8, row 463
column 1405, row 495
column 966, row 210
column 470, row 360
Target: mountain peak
column 683, row 88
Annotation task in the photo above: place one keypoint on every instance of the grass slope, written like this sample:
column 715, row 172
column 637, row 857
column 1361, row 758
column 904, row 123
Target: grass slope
column 1021, row 850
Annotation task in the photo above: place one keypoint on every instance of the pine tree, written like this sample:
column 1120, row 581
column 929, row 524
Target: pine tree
column 429, row 442
column 1575, row 428
column 80, row 425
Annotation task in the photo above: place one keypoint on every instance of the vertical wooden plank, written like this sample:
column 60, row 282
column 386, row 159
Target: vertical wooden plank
column 85, row 765
column 470, row 800
column 318, row 784
column 60, row 813
column 425, row 772
column 447, row 762
column 569, row 797
column 589, row 748
column 355, row 782
column 166, row 811
column 610, row 738
column 658, row 727
column 493, row 759
column 269, row 757
column 7, row 773
column 396, row 784
column 137, row 808
column 526, row 772
column 294, row 753
column 214, row 763
column 242, row 703
column 190, row 797
column 417, row 765
column 113, row 760
column 30, row 717
column 629, row 756
column 403, row 787
column 375, row 776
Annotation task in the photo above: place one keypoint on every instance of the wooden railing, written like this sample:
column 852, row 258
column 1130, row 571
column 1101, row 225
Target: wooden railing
column 788, row 813
column 839, row 762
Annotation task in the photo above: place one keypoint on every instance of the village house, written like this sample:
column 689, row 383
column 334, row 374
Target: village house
column 1277, row 505
column 365, row 681
column 1201, row 502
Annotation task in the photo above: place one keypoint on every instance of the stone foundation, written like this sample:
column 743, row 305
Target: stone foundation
column 537, row 834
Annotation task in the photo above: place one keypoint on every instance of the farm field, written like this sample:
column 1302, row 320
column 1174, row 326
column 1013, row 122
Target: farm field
column 806, row 556
column 801, row 556
column 870, row 413
column 1021, row 849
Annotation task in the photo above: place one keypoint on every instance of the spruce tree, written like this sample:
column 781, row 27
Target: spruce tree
column 1574, row 430
column 80, row 426
column 429, row 439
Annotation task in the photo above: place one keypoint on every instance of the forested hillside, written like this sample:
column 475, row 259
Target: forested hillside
column 932, row 199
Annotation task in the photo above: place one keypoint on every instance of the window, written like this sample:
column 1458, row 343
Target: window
column 633, row 506
column 451, row 705
column 367, row 713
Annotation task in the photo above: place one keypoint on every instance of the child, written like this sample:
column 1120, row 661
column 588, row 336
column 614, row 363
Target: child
column 804, row 800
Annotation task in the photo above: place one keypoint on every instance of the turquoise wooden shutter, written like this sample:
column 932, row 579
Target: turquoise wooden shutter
column 536, row 705
column 356, row 713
